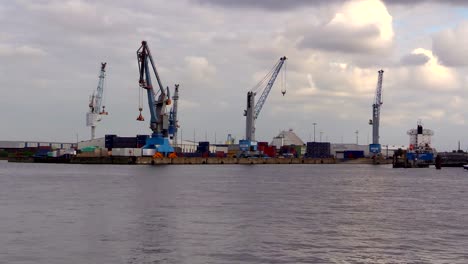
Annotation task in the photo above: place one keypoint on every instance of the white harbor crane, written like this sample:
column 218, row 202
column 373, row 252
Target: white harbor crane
column 253, row 110
column 375, row 121
column 248, row 146
column 95, row 101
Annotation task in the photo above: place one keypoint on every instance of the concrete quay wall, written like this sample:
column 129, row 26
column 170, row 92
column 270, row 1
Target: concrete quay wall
column 219, row 161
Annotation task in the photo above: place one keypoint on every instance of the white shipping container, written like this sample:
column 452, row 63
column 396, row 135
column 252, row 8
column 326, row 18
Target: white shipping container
column 67, row 145
column 116, row 152
column 31, row 144
column 61, row 152
column 127, row 152
column 148, row 152
column 56, row 145
column 11, row 144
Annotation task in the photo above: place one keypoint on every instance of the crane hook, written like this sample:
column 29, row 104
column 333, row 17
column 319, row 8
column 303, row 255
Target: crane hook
column 283, row 91
column 140, row 117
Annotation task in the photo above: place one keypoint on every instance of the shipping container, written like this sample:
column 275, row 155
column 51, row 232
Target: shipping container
column 318, row 149
column 220, row 154
column 233, row 147
column 30, row 145
column 12, row 144
column 109, row 141
column 353, row 154
column 52, row 154
column 270, row 151
column 127, row 152
column 148, row 152
column 223, row 148
column 41, row 153
column 124, row 142
column 141, row 140
column 204, row 143
column 56, row 145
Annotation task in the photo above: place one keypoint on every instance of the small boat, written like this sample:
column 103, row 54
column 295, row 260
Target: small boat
column 465, row 167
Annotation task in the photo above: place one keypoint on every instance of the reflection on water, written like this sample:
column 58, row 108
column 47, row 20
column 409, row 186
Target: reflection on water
column 232, row 214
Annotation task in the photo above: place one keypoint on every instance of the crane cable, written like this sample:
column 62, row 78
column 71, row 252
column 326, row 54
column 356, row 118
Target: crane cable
column 140, row 99
column 283, row 80
column 255, row 89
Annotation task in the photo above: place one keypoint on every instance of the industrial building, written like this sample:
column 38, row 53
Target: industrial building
column 287, row 138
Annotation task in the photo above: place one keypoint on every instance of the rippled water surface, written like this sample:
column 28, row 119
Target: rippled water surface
column 232, row 214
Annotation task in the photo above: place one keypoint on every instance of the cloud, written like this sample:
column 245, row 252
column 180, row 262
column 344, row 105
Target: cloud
column 353, row 29
column 430, row 76
column 414, row 59
column 199, row 68
column 25, row 50
column 273, row 5
column 433, row 75
column 414, row 2
column 451, row 45
column 281, row 5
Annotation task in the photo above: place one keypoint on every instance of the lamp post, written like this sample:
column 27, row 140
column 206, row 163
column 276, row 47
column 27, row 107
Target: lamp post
column 314, row 129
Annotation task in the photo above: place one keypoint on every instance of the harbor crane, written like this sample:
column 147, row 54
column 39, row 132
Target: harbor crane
column 253, row 109
column 375, row 147
column 95, row 101
column 159, row 121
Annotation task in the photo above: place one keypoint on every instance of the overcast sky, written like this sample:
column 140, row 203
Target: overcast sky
column 217, row 50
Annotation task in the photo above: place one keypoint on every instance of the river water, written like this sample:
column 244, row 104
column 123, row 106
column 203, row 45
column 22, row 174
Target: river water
column 52, row 213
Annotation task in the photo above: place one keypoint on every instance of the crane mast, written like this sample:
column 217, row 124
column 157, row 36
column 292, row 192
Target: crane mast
column 253, row 110
column 95, row 102
column 159, row 121
column 173, row 121
column 375, row 121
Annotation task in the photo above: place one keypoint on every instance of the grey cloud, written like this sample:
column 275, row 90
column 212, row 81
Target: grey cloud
column 413, row 2
column 281, row 5
column 450, row 46
column 339, row 38
column 273, row 5
column 414, row 59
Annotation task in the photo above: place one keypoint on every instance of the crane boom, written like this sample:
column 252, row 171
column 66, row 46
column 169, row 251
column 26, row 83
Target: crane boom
column 375, row 122
column 253, row 110
column 95, row 102
column 261, row 101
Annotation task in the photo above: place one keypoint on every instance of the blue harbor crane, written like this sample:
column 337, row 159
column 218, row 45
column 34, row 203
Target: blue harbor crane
column 253, row 109
column 375, row 147
column 95, row 101
column 159, row 122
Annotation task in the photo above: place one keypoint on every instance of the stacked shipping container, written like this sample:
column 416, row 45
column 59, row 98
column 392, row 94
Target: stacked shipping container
column 318, row 150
